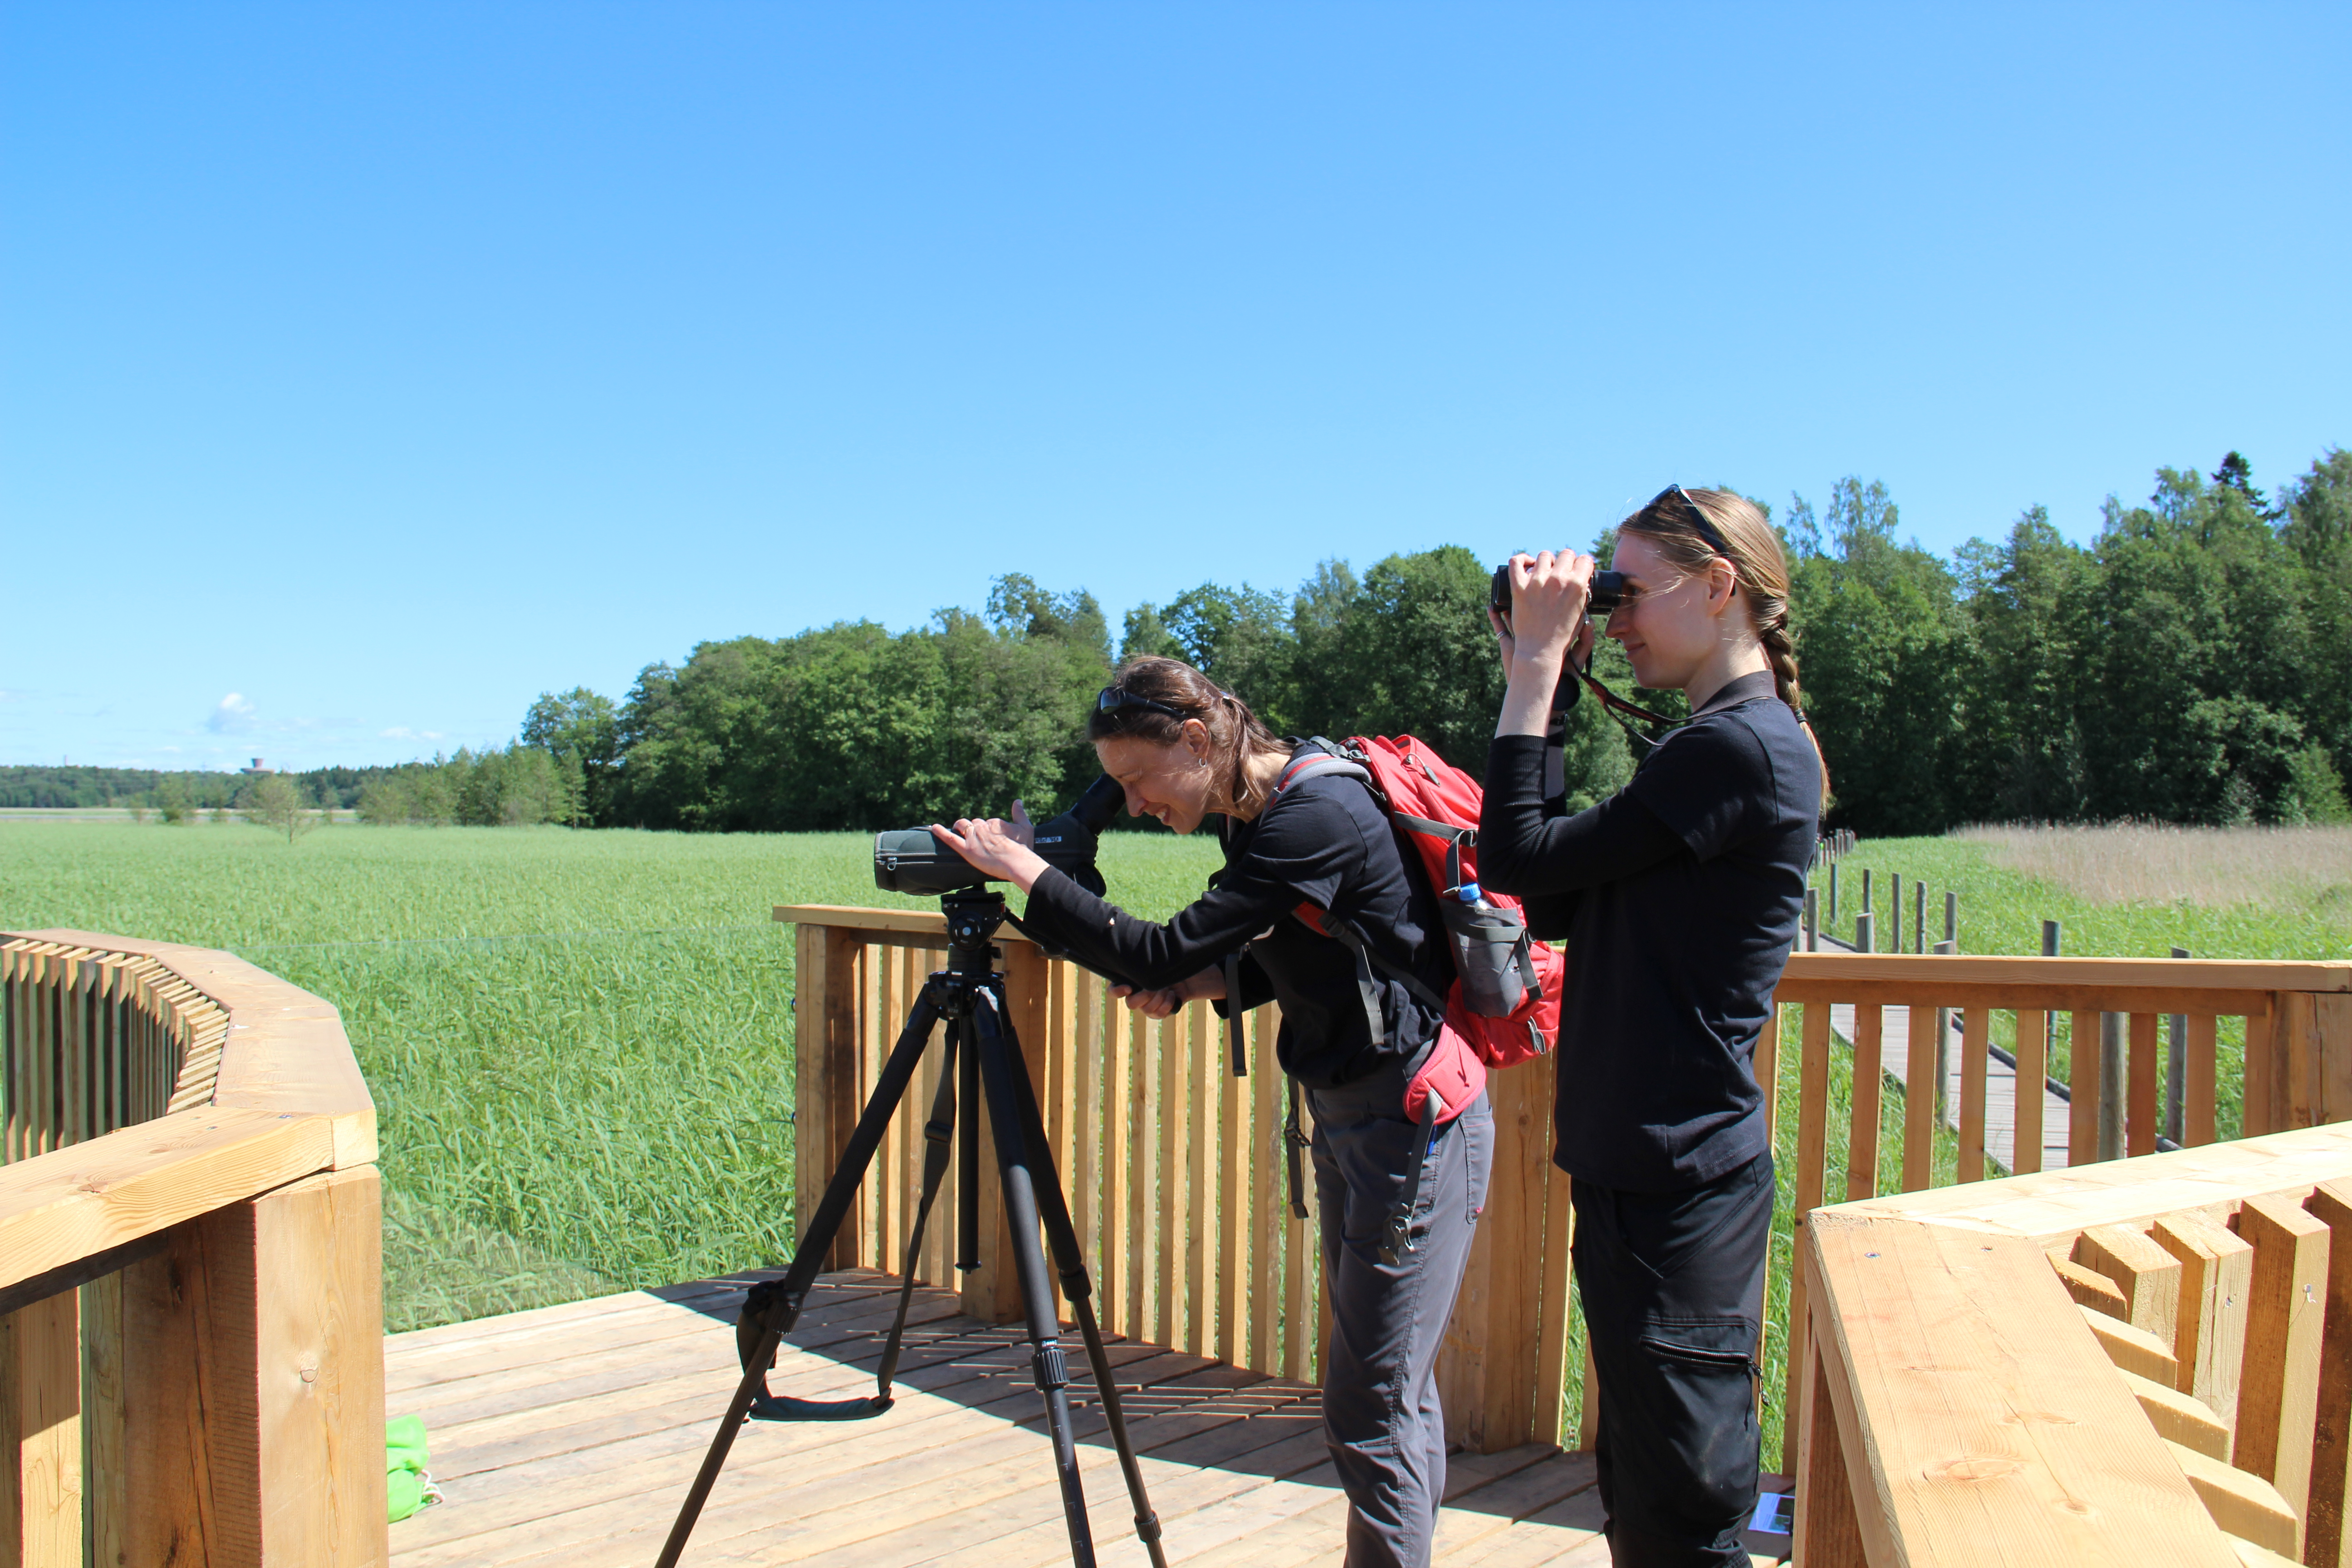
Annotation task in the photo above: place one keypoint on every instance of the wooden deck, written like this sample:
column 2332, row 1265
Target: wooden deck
column 565, row 1437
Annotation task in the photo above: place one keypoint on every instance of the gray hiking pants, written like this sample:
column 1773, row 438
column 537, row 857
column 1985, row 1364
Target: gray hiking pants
column 1381, row 1415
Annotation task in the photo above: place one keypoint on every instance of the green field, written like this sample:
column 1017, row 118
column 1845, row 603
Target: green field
column 579, row 1044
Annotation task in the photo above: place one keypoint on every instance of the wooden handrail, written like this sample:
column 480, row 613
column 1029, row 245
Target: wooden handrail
column 2133, row 1363
column 1178, row 1189
column 190, row 1237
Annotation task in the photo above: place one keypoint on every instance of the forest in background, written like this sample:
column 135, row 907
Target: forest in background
column 2192, row 664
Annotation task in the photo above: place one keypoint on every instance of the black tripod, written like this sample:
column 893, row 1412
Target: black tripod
column 982, row 1056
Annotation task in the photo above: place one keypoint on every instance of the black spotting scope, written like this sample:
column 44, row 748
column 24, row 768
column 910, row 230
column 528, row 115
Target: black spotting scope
column 913, row 860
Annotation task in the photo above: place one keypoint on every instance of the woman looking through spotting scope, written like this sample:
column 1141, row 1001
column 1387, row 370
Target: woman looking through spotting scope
column 1183, row 751
column 1679, row 898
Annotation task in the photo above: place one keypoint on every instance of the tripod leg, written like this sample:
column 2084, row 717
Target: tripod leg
column 1070, row 1263
column 770, row 1312
column 938, row 1139
column 999, row 1063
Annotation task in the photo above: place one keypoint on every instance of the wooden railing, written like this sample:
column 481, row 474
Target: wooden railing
column 2145, row 1361
column 190, row 1306
column 1175, row 1175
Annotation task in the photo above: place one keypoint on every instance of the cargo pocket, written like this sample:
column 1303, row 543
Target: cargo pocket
column 1706, row 1377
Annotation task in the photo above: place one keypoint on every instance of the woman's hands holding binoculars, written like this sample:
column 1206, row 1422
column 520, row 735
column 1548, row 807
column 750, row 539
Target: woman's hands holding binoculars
column 1548, row 625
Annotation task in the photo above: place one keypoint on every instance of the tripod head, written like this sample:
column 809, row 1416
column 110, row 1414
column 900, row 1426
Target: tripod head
column 973, row 915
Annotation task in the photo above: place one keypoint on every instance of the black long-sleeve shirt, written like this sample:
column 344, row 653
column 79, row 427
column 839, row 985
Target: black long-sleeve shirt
column 1679, row 898
column 1324, row 841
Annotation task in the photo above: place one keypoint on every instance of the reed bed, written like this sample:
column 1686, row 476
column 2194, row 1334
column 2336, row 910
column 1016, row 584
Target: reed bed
column 580, row 1043
column 2157, row 863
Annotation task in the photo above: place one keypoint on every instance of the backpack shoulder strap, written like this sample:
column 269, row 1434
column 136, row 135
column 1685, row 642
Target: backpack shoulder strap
column 1327, row 762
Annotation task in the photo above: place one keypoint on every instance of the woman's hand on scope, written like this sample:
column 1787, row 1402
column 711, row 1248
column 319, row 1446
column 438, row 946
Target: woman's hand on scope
column 997, row 847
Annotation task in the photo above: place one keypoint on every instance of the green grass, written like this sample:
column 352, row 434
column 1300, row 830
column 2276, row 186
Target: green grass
column 579, row 1044
column 2284, row 915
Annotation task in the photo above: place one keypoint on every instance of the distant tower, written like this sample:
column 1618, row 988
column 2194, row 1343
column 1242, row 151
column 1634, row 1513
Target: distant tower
column 255, row 771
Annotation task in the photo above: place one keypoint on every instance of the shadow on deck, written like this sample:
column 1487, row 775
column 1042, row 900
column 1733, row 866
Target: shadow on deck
column 567, row 1436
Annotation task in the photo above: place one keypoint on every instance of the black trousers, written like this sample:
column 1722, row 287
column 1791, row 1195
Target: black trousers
column 1673, row 1285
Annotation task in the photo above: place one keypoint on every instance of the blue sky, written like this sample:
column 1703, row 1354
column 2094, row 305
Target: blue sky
column 366, row 371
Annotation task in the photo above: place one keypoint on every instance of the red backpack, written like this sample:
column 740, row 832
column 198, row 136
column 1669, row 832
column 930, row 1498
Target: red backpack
column 1505, row 1000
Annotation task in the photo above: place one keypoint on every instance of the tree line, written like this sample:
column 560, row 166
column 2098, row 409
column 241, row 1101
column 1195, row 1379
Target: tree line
column 2191, row 664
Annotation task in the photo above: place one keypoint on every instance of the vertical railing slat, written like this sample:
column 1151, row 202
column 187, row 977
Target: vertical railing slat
column 2140, row 1107
column 2084, row 1089
column 1268, row 1215
column 1976, row 1048
column 1203, row 1257
column 1919, row 1098
column 2033, row 1072
column 1869, row 1084
column 2199, row 1075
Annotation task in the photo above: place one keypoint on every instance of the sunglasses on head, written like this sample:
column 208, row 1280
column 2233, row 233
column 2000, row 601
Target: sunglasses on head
column 1706, row 528
column 1111, row 699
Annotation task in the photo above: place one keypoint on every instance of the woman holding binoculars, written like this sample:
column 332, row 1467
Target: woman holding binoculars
column 1679, row 898
column 1358, row 1036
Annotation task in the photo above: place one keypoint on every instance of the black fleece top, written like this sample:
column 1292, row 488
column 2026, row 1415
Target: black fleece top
column 1327, row 842
column 1680, row 898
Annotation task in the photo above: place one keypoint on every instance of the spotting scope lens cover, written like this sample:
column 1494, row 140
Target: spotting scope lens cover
column 912, row 859
column 1608, row 592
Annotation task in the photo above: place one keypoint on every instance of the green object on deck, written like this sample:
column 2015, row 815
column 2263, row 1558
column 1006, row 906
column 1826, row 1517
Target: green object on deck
column 405, row 1480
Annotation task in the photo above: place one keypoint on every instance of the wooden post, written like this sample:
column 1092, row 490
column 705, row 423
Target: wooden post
column 1828, row 1534
column 824, row 1063
column 1492, row 1363
column 2217, row 1273
column 255, row 1347
column 40, row 1434
column 2278, row 1394
column 2084, row 1063
column 2312, row 1058
column 2327, row 1541
column 1812, row 1166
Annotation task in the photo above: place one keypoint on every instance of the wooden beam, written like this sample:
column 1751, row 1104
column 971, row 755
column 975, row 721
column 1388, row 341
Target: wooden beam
column 2147, row 1275
column 2052, row 1207
column 2278, row 1393
column 2327, row 1540
column 1931, row 975
column 285, row 1050
column 919, row 923
column 2179, row 1418
column 1981, row 1412
column 85, row 1199
column 2217, row 1271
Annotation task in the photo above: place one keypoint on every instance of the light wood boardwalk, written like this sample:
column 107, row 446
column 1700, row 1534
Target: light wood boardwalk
column 565, row 1437
column 2000, row 1081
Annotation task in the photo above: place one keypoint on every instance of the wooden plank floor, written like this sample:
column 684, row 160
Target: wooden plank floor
column 565, row 1437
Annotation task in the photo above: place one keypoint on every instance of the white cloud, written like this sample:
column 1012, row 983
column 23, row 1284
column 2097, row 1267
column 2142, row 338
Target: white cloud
column 232, row 717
